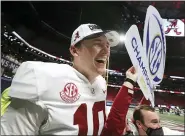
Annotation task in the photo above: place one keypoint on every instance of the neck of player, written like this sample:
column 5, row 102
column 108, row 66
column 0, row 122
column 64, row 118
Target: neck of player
column 87, row 73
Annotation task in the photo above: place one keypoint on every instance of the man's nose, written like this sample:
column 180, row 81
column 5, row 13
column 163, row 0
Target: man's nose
column 106, row 48
column 158, row 125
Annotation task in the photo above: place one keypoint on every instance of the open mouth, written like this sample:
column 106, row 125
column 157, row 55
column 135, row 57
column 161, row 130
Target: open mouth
column 101, row 61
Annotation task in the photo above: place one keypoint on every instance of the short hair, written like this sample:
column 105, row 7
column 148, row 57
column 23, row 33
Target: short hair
column 77, row 45
column 137, row 115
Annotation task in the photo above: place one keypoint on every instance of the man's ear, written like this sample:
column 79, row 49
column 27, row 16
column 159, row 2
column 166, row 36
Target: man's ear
column 138, row 123
column 73, row 51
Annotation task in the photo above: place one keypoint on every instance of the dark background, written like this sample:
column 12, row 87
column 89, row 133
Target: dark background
column 49, row 26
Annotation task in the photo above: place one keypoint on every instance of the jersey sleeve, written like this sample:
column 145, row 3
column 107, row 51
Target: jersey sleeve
column 115, row 122
column 23, row 117
column 24, row 84
column 26, row 112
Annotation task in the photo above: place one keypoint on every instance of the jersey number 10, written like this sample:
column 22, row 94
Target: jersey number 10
column 80, row 117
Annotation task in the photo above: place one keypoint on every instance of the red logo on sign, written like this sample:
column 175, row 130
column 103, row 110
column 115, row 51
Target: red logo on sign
column 173, row 26
column 70, row 93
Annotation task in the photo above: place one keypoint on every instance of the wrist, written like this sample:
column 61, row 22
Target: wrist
column 130, row 81
column 128, row 85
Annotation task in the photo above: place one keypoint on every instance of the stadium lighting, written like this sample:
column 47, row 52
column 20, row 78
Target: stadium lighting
column 21, row 44
column 122, row 38
column 177, row 77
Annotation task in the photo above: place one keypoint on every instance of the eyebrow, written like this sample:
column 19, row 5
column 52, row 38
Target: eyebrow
column 155, row 120
column 97, row 40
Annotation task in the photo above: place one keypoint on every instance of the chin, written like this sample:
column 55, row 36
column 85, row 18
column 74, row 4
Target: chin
column 102, row 71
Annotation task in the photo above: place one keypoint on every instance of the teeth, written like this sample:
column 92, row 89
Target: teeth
column 102, row 59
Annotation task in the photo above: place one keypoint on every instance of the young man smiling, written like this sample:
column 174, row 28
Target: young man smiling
column 57, row 99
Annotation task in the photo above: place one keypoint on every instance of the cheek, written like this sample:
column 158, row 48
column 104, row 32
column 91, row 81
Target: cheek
column 88, row 56
column 154, row 126
column 93, row 53
column 151, row 125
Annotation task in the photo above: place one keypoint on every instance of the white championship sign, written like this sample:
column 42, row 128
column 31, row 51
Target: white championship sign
column 154, row 43
column 136, row 52
column 149, row 57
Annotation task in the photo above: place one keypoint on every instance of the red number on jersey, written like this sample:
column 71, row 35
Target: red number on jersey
column 80, row 117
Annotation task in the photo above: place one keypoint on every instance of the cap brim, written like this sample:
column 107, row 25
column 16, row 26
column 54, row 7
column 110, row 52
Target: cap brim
column 96, row 35
column 112, row 37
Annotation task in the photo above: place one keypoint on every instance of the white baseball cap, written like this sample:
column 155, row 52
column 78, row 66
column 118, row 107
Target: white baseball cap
column 90, row 31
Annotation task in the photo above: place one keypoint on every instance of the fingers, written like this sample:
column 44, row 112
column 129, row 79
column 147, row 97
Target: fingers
column 132, row 69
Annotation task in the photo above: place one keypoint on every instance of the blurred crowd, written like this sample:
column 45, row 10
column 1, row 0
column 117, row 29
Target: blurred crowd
column 11, row 58
column 172, row 110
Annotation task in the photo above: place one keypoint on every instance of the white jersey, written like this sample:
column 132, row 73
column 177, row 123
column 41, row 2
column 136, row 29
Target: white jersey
column 68, row 103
